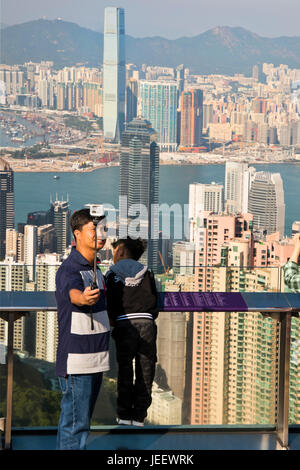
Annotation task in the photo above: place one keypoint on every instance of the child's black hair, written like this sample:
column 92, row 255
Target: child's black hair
column 135, row 247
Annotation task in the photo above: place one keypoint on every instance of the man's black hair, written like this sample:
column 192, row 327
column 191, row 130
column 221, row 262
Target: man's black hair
column 81, row 218
column 135, row 247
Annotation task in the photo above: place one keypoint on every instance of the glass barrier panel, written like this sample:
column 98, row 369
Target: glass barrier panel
column 212, row 367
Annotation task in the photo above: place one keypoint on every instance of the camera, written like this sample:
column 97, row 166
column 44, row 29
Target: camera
column 96, row 210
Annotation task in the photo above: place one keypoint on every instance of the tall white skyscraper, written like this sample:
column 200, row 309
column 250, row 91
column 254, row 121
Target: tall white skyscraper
column 266, row 202
column 203, row 197
column 30, row 249
column 114, row 73
column 238, row 179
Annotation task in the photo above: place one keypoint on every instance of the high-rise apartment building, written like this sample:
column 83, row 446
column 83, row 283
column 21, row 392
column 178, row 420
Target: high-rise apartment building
column 180, row 72
column 208, row 115
column 13, row 278
column 46, row 322
column 59, row 216
column 30, row 249
column 139, row 183
column 250, row 349
column 203, row 197
column 61, row 96
column 165, row 409
column 46, row 238
column 11, row 243
column 131, row 99
column 158, row 104
column 114, row 73
column 212, row 232
column 6, row 203
column 191, row 118
column 14, row 244
column 238, row 178
column 266, row 202
column 183, row 258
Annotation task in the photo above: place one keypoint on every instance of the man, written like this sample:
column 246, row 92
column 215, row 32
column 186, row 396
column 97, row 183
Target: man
column 291, row 270
column 83, row 327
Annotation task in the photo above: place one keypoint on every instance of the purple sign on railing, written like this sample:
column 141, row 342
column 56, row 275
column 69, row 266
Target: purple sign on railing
column 202, row 301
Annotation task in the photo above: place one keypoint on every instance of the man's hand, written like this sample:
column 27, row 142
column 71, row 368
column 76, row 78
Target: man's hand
column 87, row 297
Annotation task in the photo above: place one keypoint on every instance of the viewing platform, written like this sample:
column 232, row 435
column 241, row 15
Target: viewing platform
column 279, row 435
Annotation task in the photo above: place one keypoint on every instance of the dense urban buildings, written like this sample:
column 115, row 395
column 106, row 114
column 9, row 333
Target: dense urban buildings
column 213, row 368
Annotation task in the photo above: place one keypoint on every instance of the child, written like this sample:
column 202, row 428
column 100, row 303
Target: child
column 132, row 309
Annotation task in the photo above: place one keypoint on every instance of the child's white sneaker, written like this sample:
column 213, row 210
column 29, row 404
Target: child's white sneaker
column 126, row 422
column 138, row 423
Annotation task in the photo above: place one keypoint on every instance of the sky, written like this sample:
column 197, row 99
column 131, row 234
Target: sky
column 167, row 18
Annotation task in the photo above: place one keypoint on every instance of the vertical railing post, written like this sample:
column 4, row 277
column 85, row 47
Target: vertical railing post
column 9, row 391
column 284, row 379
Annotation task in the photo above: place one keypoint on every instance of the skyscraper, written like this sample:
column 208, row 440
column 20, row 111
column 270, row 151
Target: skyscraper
column 114, row 73
column 131, row 99
column 203, row 197
column 12, row 278
column 238, row 179
column 180, row 79
column 6, row 202
column 139, row 178
column 46, row 322
column 59, row 217
column 158, row 100
column 209, row 338
column 30, row 249
column 191, row 118
column 266, row 202
column 183, row 257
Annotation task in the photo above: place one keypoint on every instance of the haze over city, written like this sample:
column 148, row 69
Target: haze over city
column 193, row 146
column 167, row 18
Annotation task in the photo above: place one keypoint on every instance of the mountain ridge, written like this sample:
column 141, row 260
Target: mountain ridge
column 222, row 49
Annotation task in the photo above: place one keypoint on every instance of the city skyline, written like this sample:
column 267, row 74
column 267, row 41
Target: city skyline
column 212, row 368
column 283, row 16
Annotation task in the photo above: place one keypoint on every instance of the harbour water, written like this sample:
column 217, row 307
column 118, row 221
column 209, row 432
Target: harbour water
column 7, row 136
column 34, row 190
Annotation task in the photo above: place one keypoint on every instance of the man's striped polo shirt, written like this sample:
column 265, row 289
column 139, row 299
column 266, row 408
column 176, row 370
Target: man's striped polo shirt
column 83, row 332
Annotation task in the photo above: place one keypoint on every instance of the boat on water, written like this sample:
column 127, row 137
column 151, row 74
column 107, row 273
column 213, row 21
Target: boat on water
column 56, row 177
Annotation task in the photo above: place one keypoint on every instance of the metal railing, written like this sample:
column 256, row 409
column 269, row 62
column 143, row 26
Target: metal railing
column 279, row 306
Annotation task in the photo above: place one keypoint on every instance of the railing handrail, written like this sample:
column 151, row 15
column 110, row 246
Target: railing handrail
column 289, row 304
column 24, row 301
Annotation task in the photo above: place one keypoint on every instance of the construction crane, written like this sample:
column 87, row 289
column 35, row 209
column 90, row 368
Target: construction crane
column 163, row 263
